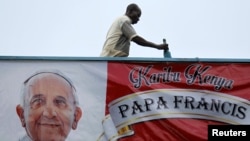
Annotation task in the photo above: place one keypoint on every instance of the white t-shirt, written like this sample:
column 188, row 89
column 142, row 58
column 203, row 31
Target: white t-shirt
column 118, row 38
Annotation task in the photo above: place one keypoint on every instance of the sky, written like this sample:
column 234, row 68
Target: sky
column 77, row 28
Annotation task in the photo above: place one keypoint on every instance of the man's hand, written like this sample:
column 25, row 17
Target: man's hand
column 162, row 46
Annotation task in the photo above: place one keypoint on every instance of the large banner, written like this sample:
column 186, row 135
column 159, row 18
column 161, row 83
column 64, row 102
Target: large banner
column 120, row 100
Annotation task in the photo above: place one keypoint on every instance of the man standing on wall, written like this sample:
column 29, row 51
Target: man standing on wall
column 121, row 32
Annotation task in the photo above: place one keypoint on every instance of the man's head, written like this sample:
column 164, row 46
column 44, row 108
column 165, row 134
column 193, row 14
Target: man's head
column 133, row 12
column 49, row 108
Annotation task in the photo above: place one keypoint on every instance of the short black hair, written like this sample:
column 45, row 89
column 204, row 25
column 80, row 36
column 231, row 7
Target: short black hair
column 132, row 7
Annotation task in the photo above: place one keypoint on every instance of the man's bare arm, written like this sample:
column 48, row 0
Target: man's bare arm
column 141, row 41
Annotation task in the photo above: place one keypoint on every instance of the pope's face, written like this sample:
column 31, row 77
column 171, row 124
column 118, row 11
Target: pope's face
column 50, row 109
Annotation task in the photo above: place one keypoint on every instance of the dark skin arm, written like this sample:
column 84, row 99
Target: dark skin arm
column 141, row 41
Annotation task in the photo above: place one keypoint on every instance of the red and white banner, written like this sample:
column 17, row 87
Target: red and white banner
column 174, row 101
column 131, row 100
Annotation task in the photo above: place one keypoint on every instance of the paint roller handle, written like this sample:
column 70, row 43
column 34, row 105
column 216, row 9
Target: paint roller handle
column 166, row 52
